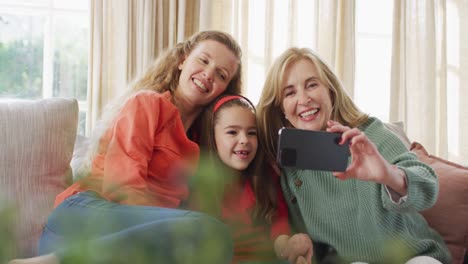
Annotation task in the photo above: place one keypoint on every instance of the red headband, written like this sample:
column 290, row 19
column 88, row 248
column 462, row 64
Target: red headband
column 225, row 99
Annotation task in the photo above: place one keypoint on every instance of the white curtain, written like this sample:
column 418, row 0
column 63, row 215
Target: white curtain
column 429, row 75
column 336, row 38
column 126, row 35
column 265, row 28
column 461, row 154
column 429, row 70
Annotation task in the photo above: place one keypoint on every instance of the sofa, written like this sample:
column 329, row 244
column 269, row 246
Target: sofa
column 40, row 149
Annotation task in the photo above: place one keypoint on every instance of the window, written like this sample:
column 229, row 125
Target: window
column 453, row 79
column 44, row 50
column 303, row 35
column 373, row 57
column 373, row 46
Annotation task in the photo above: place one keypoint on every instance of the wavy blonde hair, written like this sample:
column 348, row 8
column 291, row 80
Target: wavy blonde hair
column 269, row 109
column 163, row 75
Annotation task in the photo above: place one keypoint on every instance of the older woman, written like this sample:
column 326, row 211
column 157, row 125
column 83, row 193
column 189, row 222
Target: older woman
column 371, row 213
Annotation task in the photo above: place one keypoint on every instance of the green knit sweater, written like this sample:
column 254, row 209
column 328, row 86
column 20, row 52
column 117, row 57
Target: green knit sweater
column 358, row 218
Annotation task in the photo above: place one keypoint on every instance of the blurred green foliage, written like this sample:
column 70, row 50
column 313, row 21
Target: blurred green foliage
column 7, row 230
column 207, row 188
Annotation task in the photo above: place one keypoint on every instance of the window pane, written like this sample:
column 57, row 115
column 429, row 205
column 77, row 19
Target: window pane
column 70, row 56
column 256, row 77
column 306, row 30
column 71, row 4
column 44, row 50
column 373, row 56
column 28, row 3
column 374, row 17
column 256, row 29
column 454, row 90
column 81, row 123
column 372, row 93
column 281, row 36
column 21, row 56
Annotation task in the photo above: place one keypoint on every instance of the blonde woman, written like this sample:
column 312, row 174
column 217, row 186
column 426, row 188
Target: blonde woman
column 122, row 210
column 369, row 212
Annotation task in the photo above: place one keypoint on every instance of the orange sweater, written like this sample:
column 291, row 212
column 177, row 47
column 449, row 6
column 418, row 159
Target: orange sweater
column 140, row 155
column 253, row 242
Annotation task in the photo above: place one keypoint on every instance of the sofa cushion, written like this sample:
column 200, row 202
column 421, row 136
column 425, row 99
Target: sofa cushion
column 398, row 129
column 36, row 139
column 449, row 215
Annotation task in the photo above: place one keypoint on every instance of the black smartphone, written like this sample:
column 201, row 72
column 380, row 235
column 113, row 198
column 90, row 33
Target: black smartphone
column 311, row 150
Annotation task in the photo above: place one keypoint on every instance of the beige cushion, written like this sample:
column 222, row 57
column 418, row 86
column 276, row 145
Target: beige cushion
column 36, row 139
column 398, row 129
column 449, row 215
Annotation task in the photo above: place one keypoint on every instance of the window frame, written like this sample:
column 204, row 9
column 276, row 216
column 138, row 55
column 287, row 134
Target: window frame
column 49, row 12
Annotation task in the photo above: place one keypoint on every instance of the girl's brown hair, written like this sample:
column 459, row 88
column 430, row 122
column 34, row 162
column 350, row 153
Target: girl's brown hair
column 257, row 172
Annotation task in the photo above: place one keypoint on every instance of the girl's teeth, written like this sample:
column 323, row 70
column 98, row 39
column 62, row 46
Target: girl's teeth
column 199, row 84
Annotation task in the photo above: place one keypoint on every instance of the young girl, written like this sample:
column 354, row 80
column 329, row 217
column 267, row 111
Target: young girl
column 252, row 203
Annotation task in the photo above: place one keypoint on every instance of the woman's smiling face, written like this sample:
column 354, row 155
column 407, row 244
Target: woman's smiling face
column 206, row 73
column 306, row 100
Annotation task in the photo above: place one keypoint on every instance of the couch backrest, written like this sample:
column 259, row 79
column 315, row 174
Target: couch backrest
column 36, row 146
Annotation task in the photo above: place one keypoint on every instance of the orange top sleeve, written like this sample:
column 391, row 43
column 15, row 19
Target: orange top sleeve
column 142, row 156
column 280, row 224
column 253, row 241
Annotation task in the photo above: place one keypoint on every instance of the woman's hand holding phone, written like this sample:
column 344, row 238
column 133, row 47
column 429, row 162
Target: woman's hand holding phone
column 367, row 163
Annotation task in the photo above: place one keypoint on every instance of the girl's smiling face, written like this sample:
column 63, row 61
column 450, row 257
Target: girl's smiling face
column 306, row 100
column 235, row 133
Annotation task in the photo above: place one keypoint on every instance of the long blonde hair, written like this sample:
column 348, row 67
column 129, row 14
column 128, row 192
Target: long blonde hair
column 163, row 75
column 269, row 109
